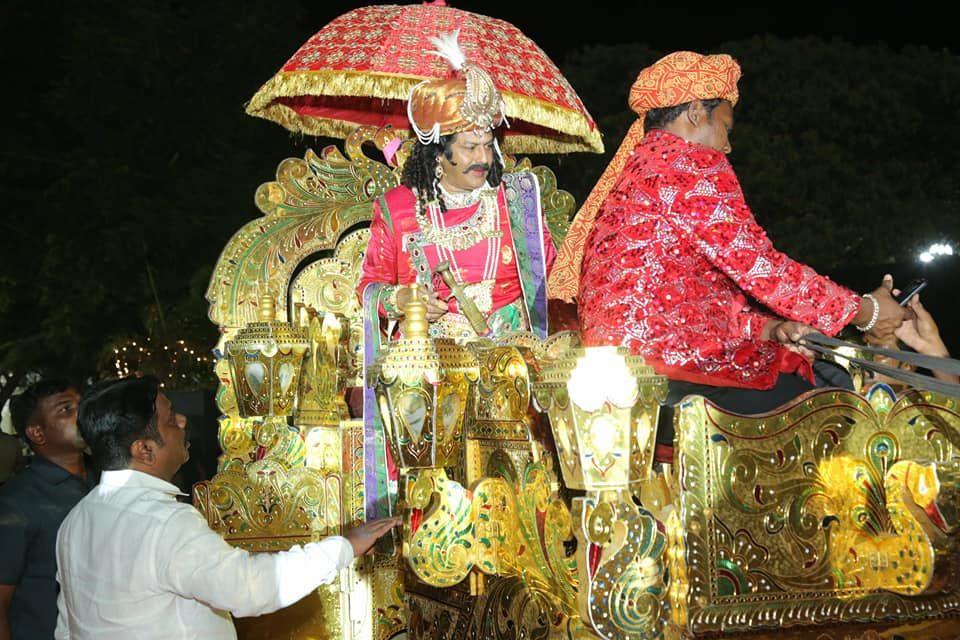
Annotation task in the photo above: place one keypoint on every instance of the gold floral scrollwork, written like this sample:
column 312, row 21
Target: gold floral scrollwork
column 269, row 506
column 839, row 507
column 521, row 530
column 312, row 202
column 438, row 528
column 620, row 557
column 247, row 440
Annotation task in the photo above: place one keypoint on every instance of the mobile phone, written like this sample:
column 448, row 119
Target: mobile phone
column 911, row 290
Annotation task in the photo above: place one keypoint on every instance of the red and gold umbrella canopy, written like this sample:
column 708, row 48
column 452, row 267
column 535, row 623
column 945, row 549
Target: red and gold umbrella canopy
column 360, row 68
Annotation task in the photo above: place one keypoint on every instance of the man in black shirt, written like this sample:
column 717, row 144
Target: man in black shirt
column 34, row 503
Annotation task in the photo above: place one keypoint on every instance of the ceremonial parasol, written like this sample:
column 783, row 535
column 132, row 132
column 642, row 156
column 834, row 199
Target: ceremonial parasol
column 360, row 68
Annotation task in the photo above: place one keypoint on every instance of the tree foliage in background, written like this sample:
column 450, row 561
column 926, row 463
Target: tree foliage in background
column 127, row 166
column 847, row 154
column 128, row 162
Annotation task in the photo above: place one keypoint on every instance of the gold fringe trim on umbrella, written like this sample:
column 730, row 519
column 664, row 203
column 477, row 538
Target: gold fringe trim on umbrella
column 397, row 87
column 326, row 127
column 328, row 82
column 553, row 116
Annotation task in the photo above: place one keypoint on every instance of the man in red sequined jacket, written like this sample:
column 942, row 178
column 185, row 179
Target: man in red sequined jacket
column 675, row 266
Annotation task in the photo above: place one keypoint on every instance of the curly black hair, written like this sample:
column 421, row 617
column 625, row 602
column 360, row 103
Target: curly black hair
column 419, row 172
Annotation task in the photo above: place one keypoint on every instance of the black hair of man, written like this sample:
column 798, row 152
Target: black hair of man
column 660, row 118
column 23, row 407
column 419, row 172
column 114, row 414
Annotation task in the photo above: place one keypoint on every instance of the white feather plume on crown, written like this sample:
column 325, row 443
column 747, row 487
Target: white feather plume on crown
column 449, row 49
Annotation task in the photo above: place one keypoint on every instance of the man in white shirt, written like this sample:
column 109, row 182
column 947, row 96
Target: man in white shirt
column 135, row 563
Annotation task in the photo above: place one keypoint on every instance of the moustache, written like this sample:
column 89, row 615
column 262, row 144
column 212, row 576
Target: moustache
column 478, row 167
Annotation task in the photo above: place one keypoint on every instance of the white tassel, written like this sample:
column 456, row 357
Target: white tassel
column 449, row 49
column 496, row 148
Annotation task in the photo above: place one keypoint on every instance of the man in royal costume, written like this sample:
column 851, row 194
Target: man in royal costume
column 665, row 256
column 457, row 208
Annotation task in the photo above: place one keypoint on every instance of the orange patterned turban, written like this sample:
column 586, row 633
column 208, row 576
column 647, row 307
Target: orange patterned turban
column 446, row 106
column 676, row 79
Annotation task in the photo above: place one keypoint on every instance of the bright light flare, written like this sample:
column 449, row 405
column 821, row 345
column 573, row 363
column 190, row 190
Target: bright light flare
column 935, row 250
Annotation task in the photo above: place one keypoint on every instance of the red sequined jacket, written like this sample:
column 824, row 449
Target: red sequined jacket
column 666, row 265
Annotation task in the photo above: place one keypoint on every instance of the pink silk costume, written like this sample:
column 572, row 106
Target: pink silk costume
column 390, row 257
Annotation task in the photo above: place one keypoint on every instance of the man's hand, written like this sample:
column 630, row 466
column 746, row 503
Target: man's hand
column 363, row 537
column 921, row 333
column 435, row 306
column 788, row 333
column 891, row 315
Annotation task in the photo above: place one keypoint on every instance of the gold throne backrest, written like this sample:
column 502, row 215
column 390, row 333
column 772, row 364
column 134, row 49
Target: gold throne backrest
column 309, row 244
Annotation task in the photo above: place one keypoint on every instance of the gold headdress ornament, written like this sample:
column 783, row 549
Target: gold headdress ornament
column 446, row 106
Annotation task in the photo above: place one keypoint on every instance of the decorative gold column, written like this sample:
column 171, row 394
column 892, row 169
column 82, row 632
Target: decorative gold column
column 425, row 390
column 603, row 406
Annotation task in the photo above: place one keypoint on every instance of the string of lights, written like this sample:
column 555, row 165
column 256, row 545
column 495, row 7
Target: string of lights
column 177, row 364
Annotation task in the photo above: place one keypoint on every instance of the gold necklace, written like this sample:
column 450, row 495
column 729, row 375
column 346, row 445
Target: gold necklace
column 466, row 234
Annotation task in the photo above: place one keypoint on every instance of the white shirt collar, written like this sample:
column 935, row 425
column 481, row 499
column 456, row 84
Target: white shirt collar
column 125, row 478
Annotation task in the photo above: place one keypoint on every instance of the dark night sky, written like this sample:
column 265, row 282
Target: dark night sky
column 673, row 25
column 135, row 82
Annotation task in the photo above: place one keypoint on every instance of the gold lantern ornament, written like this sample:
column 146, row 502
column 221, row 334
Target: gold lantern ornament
column 266, row 358
column 603, row 406
column 425, row 388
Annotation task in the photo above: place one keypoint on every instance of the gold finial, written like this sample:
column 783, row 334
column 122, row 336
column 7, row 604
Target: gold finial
column 414, row 323
column 268, row 308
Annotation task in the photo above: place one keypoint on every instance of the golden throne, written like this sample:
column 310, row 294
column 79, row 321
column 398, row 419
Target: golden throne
column 292, row 464
column 545, row 515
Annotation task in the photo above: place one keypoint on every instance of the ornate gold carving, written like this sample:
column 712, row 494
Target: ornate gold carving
column 801, row 516
column 389, row 602
column 312, row 202
column 248, row 440
column 619, row 558
column 438, row 528
column 329, row 285
column 521, row 527
column 503, row 393
column 269, row 507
